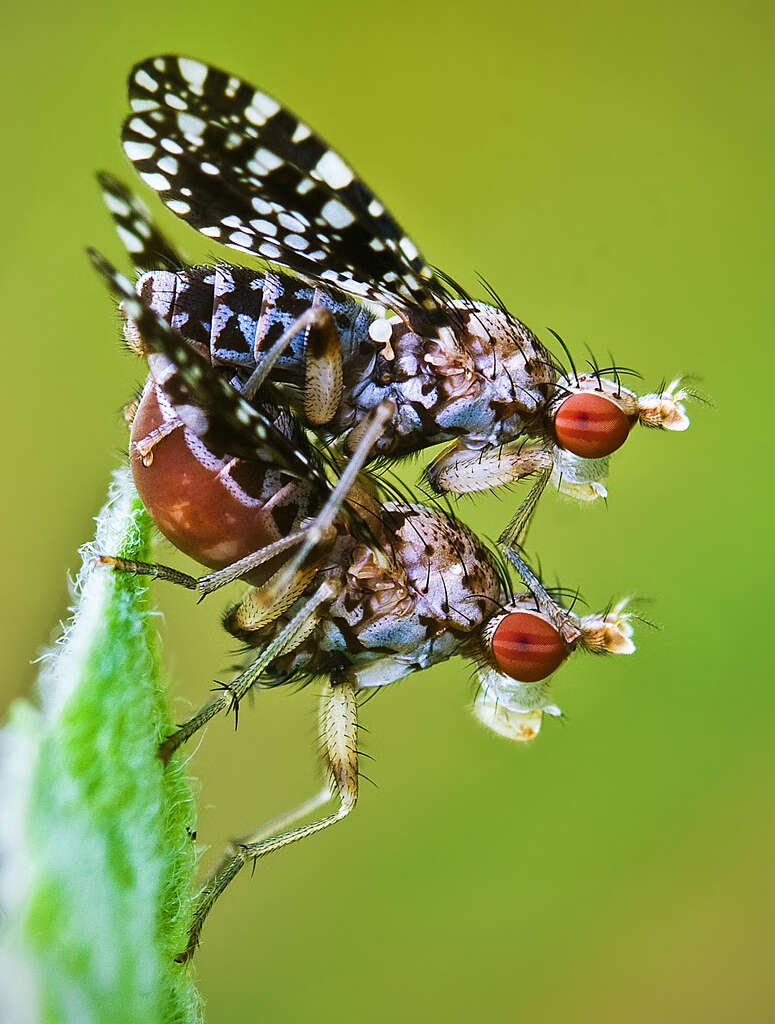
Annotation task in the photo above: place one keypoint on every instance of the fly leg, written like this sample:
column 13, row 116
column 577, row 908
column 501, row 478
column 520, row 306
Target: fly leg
column 212, row 580
column 347, row 490
column 339, row 728
column 556, row 614
column 462, row 470
column 289, row 638
column 322, row 363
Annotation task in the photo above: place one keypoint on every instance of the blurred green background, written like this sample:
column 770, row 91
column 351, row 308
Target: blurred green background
column 608, row 168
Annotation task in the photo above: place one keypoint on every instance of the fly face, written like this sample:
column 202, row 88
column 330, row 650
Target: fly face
column 524, row 645
column 592, row 416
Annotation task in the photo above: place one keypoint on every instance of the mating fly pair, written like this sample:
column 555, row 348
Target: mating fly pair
column 343, row 585
column 270, row 392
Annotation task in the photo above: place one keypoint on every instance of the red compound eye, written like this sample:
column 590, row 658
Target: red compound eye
column 526, row 647
column 590, row 425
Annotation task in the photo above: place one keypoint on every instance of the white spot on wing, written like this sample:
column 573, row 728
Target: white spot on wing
column 209, row 168
column 138, row 150
column 175, row 101
column 178, row 206
column 357, row 287
column 266, row 227
column 301, row 132
column 157, row 181
column 269, row 159
column 145, row 81
column 336, row 214
column 161, row 367
column 291, row 223
column 193, row 71
column 116, row 205
column 137, row 124
column 261, row 107
column 333, row 170
column 376, row 209
column 131, row 242
column 408, row 248
column 194, row 418
column 168, row 164
column 190, row 125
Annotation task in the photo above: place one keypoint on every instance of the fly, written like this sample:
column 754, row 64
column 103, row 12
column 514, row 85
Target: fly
column 354, row 315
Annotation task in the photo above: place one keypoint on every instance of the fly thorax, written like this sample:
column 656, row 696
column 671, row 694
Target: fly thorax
column 434, row 367
column 448, row 570
column 452, row 366
column 514, row 371
column 375, row 588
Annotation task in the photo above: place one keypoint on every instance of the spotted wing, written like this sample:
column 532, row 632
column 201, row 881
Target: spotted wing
column 241, row 169
column 147, row 247
column 205, row 401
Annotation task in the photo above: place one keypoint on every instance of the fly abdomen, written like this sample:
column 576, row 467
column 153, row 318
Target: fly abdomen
column 217, row 510
column 237, row 313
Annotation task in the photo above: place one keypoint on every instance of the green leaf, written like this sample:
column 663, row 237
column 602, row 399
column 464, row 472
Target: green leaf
column 96, row 836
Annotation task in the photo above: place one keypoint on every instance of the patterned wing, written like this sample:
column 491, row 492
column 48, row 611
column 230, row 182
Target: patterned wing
column 205, row 401
column 147, row 247
column 241, row 169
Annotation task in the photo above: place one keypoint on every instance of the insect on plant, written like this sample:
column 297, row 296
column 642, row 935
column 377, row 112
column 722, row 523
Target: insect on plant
column 343, row 584
column 244, row 171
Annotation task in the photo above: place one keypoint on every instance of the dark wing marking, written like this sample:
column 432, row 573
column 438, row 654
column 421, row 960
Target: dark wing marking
column 233, row 163
column 205, row 401
column 147, row 247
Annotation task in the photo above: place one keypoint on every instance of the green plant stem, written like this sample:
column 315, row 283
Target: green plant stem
column 96, row 837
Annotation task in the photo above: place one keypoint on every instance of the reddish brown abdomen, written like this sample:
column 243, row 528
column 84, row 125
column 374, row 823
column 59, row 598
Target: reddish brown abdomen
column 214, row 511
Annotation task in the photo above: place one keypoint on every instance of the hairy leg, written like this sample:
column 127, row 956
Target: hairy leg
column 339, row 728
